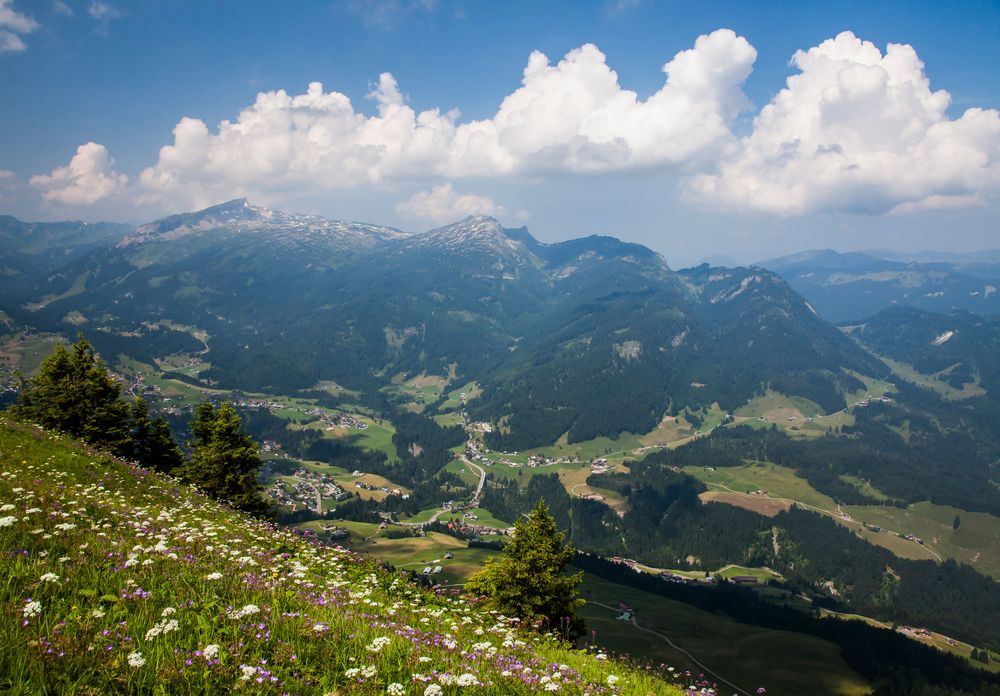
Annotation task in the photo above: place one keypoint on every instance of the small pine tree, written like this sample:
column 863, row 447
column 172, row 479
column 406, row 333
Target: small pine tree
column 527, row 579
column 74, row 394
column 151, row 443
column 224, row 461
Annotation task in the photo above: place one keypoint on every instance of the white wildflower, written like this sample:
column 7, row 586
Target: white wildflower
column 378, row 644
column 32, row 609
column 248, row 610
column 467, row 680
column 168, row 611
column 432, row 690
column 49, row 577
column 211, row 652
column 612, row 680
column 6, row 508
column 395, row 689
column 7, row 521
column 162, row 627
column 136, row 659
column 214, row 576
column 247, row 672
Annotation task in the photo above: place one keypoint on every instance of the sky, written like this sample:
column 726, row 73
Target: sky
column 724, row 130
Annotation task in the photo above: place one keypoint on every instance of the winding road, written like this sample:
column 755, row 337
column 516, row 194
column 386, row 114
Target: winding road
column 473, row 502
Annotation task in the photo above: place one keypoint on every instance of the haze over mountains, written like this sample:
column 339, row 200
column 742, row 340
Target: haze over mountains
column 581, row 338
column 855, row 285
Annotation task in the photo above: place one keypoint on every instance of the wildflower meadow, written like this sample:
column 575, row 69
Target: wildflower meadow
column 119, row 580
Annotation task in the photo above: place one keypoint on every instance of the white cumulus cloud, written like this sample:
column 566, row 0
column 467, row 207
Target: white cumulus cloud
column 12, row 25
column 572, row 116
column 88, row 178
column 858, row 131
column 441, row 205
column 853, row 130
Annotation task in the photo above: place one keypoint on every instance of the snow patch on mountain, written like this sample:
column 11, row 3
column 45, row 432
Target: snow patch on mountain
column 943, row 338
column 287, row 229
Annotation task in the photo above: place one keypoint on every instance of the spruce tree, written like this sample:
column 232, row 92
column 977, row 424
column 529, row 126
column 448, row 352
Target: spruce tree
column 152, row 444
column 75, row 394
column 224, row 461
column 528, row 581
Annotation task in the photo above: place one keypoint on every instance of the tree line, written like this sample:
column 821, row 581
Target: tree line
column 74, row 393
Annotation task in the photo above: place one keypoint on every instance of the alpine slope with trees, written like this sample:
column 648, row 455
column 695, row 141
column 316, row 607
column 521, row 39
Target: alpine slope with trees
column 73, row 393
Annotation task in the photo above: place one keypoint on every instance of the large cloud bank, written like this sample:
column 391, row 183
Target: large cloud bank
column 857, row 130
column 853, row 130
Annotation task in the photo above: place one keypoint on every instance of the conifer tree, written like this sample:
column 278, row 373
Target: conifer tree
column 528, row 581
column 224, row 461
column 151, row 443
column 75, row 394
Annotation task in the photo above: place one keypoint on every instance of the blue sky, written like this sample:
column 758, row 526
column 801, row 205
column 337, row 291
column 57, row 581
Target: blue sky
column 863, row 152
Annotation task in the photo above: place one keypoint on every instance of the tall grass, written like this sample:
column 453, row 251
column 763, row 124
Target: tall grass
column 117, row 580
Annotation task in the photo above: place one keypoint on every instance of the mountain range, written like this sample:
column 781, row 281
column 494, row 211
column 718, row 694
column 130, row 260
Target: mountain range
column 849, row 287
column 581, row 338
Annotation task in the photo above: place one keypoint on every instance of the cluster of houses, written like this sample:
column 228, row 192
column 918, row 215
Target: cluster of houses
column 600, row 466
column 303, row 487
column 869, row 398
column 479, row 530
column 478, row 452
column 270, row 446
column 384, row 489
column 341, row 420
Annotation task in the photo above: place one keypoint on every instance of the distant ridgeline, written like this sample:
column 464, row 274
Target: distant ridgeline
column 853, row 286
column 583, row 338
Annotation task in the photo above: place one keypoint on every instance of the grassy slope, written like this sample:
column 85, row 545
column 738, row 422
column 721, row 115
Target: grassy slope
column 749, row 656
column 108, row 550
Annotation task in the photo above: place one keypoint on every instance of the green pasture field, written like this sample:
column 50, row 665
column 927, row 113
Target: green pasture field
column 932, row 382
column 784, row 663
